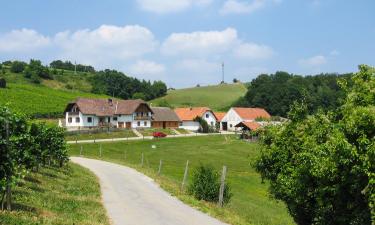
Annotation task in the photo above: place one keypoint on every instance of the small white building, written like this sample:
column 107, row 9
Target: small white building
column 94, row 113
column 237, row 115
column 187, row 116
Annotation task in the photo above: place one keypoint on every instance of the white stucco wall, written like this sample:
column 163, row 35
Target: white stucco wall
column 210, row 118
column 232, row 119
column 190, row 125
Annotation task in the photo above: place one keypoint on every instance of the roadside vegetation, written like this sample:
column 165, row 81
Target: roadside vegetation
column 250, row 202
column 322, row 165
column 150, row 131
column 217, row 97
column 68, row 195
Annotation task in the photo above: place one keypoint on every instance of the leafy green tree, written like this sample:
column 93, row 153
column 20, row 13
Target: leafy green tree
column 139, row 95
column 17, row 67
column 323, row 165
column 204, row 127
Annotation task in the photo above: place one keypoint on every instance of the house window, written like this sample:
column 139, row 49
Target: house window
column 231, row 125
column 138, row 124
column 207, row 115
column 70, row 120
column 77, row 119
column 114, row 118
column 89, row 119
column 145, row 123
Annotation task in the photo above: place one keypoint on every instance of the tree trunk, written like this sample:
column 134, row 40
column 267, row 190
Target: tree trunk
column 2, row 200
column 9, row 196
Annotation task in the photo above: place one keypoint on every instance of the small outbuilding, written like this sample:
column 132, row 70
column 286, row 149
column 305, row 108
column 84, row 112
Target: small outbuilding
column 164, row 117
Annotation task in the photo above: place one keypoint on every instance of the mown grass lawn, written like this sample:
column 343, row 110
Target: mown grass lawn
column 250, row 203
column 150, row 131
column 217, row 97
column 101, row 135
column 70, row 195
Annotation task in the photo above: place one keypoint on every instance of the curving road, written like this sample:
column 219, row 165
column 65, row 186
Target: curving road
column 133, row 198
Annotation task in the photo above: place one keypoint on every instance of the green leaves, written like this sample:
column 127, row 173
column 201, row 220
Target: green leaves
column 322, row 165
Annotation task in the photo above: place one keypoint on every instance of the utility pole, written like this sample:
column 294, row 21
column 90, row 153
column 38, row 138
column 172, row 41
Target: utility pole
column 222, row 71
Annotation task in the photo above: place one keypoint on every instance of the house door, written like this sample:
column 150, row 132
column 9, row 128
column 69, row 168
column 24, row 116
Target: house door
column 120, row 124
column 128, row 125
column 164, row 125
column 224, row 125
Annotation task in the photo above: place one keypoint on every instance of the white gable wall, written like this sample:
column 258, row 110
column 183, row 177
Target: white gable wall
column 232, row 119
column 210, row 118
column 190, row 125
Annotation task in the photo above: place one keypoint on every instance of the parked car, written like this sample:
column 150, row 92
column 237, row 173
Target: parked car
column 158, row 135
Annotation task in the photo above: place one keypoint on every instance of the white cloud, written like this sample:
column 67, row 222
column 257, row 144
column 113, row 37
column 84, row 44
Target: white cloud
column 168, row 6
column 334, row 53
column 253, row 51
column 144, row 67
column 106, row 45
column 197, row 66
column 23, row 40
column 199, row 43
column 241, row 7
column 313, row 61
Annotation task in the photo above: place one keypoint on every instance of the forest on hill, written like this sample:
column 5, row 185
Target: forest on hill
column 277, row 92
column 64, row 74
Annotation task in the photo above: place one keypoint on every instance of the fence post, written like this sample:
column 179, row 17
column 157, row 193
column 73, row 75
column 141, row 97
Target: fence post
column 185, row 175
column 76, row 140
column 142, row 160
column 160, row 164
column 80, row 151
column 222, row 186
column 100, row 150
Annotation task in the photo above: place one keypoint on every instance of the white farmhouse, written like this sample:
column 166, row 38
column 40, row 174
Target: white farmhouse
column 93, row 113
column 187, row 116
column 237, row 115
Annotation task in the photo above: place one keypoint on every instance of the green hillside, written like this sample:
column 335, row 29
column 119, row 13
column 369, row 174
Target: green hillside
column 39, row 100
column 217, row 97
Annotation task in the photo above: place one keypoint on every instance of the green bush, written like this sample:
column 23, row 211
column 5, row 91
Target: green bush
column 206, row 185
column 204, row 128
column 17, row 67
column 3, row 83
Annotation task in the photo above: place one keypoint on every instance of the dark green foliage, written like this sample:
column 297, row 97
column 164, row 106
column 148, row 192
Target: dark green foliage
column 37, row 68
column 235, row 80
column 117, row 84
column 67, row 65
column 17, row 67
column 3, row 83
column 139, row 95
column 204, row 128
column 323, row 165
column 205, row 185
column 277, row 92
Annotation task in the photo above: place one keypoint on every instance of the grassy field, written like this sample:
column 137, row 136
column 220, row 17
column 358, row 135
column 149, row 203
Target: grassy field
column 250, row 203
column 57, row 196
column 38, row 99
column 217, row 97
column 101, row 135
column 150, row 131
column 182, row 131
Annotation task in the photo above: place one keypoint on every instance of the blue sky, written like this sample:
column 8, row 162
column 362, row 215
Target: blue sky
column 183, row 42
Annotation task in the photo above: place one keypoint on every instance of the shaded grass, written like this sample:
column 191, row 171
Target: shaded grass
column 182, row 131
column 250, row 203
column 217, row 97
column 102, row 135
column 70, row 195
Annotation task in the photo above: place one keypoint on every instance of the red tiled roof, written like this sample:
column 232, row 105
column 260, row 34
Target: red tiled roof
column 189, row 114
column 104, row 107
column 250, row 125
column 219, row 115
column 251, row 113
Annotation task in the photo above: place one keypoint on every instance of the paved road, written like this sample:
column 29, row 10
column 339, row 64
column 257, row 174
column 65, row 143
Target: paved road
column 147, row 137
column 133, row 198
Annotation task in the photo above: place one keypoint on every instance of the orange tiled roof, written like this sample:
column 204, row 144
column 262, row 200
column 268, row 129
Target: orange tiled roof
column 250, row 125
column 219, row 115
column 189, row 114
column 252, row 113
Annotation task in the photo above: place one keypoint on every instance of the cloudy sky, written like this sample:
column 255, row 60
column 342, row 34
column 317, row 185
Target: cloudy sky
column 184, row 42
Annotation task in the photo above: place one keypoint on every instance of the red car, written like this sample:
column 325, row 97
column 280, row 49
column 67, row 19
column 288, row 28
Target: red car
column 158, row 135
